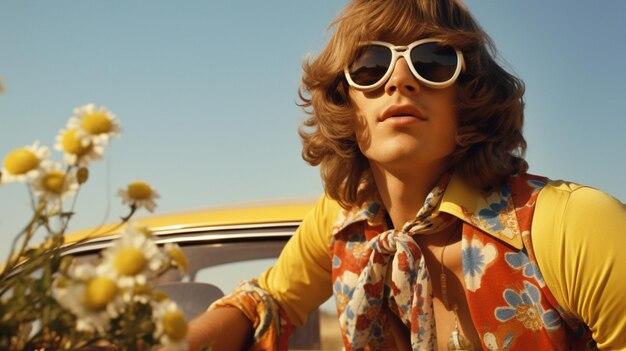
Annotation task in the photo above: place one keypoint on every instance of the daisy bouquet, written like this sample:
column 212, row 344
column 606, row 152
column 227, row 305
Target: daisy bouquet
column 49, row 301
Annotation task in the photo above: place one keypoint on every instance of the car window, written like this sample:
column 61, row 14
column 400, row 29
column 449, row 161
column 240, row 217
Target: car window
column 226, row 276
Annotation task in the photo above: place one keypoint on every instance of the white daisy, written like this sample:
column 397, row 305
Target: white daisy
column 133, row 258
column 139, row 194
column 96, row 123
column 24, row 163
column 53, row 184
column 93, row 299
column 171, row 325
column 77, row 150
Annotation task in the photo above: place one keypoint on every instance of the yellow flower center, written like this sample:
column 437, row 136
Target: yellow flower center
column 139, row 191
column 53, row 182
column 178, row 256
column 97, row 123
column 130, row 261
column 21, row 161
column 72, row 144
column 99, row 292
column 175, row 325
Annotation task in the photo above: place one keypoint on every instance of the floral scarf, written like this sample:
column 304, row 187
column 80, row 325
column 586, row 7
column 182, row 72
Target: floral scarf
column 409, row 287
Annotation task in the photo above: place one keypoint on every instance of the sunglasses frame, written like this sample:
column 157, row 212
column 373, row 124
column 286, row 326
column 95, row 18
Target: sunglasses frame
column 398, row 51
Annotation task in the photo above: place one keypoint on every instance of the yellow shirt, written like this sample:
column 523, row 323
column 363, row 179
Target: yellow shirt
column 575, row 234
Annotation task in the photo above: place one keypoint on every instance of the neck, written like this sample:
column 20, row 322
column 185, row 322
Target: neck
column 403, row 193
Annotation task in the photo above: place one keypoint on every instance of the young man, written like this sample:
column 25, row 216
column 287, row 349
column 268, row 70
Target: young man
column 431, row 235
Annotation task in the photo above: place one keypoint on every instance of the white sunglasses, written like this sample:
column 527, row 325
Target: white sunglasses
column 434, row 65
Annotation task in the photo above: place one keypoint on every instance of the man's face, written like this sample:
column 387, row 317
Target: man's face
column 404, row 125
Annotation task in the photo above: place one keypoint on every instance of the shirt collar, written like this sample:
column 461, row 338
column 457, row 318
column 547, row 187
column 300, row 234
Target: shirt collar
column 492, row 212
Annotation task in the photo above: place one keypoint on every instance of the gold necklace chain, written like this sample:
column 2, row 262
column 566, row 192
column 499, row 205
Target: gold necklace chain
column 457, row 341
column 443, row 277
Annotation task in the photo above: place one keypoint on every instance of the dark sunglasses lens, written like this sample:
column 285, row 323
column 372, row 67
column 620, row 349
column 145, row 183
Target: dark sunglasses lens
column 370, row 65
column 434, row 62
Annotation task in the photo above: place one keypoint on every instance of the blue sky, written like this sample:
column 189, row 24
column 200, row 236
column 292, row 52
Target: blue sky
column 206, row 92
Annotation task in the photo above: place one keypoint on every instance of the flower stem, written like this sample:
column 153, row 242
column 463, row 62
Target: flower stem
column 28, row 233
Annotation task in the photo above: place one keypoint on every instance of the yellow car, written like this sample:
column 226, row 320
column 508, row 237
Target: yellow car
column 224, row 246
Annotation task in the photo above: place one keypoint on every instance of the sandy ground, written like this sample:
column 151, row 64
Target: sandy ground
column 329, row 332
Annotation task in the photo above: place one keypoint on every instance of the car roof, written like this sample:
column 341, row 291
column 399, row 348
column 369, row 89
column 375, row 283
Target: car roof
column 250, row 213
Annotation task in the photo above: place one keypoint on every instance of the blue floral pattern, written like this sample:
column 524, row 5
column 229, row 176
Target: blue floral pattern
column 476, row 258
column 526, row 307
column 520, row 260
column 498, row 215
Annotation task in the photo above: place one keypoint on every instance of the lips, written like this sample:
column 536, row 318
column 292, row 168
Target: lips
column 402, row 111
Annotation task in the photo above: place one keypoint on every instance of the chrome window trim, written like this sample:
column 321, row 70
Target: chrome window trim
column 202, row 234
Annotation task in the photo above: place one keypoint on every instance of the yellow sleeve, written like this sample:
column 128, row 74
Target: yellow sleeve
column 301, row 278
column 578, row 235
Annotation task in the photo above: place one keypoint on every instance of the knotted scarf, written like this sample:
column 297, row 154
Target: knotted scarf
column 409, row 287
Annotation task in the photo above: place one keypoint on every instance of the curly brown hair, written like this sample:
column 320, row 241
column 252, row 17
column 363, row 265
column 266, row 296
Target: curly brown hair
column 490, row 144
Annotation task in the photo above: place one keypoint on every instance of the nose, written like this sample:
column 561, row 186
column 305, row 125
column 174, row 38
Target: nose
column 402, row 79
